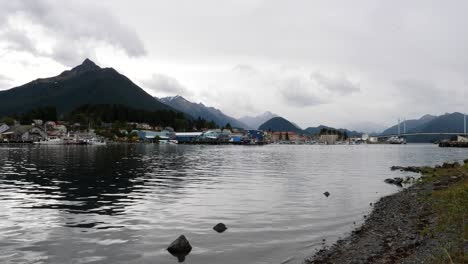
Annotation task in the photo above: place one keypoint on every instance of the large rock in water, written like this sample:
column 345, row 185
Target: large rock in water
column 180, row 248
column 397, row 181
column 220, row 227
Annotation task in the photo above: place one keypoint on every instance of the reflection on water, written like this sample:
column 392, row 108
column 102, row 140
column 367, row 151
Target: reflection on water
column 126, row 203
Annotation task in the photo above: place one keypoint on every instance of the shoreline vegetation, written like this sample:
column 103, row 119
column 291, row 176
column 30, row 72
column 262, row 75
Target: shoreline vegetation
column 424, row 223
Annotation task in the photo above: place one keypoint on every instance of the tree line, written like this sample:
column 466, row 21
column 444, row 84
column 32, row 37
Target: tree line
column 331, row 131
column 96, row 115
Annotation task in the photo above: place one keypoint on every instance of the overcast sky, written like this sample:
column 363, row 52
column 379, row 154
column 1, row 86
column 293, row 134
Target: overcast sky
column 339, row 63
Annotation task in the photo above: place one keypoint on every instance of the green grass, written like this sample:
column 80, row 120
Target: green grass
column 451, row 207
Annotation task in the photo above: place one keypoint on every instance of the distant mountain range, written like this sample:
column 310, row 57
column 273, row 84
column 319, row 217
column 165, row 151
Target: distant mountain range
column 280, row 124
column 316, row 130
column 89, row 84
column 410, row 125
column 451, row 123
column 253, row 122
column 84, row 84
column 200, row 110
column 366, row 127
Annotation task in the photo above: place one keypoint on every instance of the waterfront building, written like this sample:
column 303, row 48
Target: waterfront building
column 3, row 127
column 18, row 133
column 186, row 137
column 278, row 137
column 147, row 135
column 256, row 135
column 328, row 139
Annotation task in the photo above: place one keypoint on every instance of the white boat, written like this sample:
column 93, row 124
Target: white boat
column 396, row 140
column 165, row 141
column 51, row 141
column 95, row 141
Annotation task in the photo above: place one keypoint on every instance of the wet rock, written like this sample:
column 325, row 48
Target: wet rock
column 409, row 168
column 180, row 248
column 326, row 194
column 448, row 165
column 393, row 168
column 465, row 161
column 397, row 181
column 220, row 227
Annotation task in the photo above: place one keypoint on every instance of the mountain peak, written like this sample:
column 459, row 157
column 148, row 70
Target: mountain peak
column 86, row 66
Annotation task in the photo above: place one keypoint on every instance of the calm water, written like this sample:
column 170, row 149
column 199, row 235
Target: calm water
column 126, row 204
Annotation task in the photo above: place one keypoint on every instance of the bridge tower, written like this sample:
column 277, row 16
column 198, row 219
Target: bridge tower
column 404, row 125
column 398, row 126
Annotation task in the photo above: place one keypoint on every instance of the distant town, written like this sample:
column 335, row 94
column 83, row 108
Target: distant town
column 69, row 133
column 63, row 132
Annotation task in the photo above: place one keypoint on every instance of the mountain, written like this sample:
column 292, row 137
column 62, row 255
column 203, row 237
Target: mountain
column 84, row 84
column 450, row 123
column 410, row 125
column 280, row 124
column 200, row 110
column 367, row 127
column 316, row 130
column 254, row 122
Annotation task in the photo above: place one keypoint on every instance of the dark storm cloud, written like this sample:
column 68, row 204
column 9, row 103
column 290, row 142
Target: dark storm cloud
column 160, row 83
column 74, row 27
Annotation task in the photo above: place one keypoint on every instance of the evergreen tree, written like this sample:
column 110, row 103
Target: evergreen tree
column 287, row 136
column 280, row 136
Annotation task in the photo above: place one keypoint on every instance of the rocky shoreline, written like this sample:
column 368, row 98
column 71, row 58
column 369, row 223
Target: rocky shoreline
column 400, row 227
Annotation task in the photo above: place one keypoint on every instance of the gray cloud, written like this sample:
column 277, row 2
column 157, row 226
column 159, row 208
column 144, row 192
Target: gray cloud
column 18, row 40
column 373, row 42
column 4, row 82
column 297, row 92
column 245, row 69
column 75, row 28
column 340, row 85
column 163, row 84
column 418, row 91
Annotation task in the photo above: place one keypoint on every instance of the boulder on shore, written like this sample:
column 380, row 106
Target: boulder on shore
column 447, row 165
column 220, row 227
column 409, row 168
column 180, row 248
column 397, row 181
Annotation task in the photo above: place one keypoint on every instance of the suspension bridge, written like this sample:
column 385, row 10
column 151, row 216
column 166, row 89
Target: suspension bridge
column 402, row 131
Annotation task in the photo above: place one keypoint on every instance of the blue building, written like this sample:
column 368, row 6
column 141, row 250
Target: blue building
column 147, row 135
column 185, row 137
column 256, row 135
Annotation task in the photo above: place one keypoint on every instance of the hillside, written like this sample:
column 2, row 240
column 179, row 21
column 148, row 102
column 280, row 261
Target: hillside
column 280, row 124
column 254, row 122
column 84, row 84
column 200, row 110
column 410, row 125
column 316, row 130
column 451, row 123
